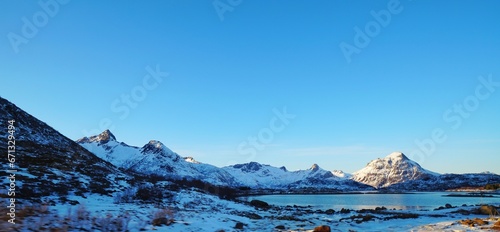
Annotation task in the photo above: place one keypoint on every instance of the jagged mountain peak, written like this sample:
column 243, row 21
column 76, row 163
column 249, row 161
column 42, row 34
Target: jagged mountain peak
column 314, row 167
column 102, row 138
column 106, row 136
column 155, row 147
column 156, row 143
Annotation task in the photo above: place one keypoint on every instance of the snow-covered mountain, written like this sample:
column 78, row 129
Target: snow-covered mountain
column 265, row 176
column 393, row 169
column 257, row 175
column 154, row 158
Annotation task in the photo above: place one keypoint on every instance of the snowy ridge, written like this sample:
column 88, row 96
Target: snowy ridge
column 258, row 175
column 119, row 154
column 393, row 169
column 153, row 158
column 262, row 176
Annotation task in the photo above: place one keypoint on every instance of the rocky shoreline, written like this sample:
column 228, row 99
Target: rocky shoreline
column 301, row 218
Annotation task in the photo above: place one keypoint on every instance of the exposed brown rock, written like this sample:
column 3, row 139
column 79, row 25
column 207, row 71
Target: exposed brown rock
column 496, row 226
column 161, row 221
column 322, row 228
column 487, row 210
column 474, row 222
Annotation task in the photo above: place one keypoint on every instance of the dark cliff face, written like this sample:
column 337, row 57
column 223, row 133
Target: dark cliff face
column 49, row 163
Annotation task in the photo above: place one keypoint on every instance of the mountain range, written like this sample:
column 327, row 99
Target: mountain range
column 49, row 162
column 155, row 158
column 396, row 169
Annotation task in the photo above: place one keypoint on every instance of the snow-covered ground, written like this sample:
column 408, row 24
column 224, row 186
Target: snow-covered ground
column 191, row 210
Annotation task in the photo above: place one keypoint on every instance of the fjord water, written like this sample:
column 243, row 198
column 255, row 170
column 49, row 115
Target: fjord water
column 410, row 201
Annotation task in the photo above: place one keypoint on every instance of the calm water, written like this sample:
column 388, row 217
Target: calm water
column 414, row 201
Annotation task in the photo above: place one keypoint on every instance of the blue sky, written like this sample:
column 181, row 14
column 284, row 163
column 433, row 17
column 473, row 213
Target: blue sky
column 413, row 85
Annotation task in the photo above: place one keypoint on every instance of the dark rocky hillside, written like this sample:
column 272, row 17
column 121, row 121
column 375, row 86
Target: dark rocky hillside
column 48, row 163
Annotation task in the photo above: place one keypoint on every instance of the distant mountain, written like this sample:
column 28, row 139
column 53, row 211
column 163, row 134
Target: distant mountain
column 258, row 175
column 154, row 158
column 48, row 163
column 393, row 169
column 396, row 172
column 446, row 181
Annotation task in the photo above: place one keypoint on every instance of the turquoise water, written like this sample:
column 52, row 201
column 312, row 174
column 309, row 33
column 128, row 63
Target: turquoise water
column 413, row 201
